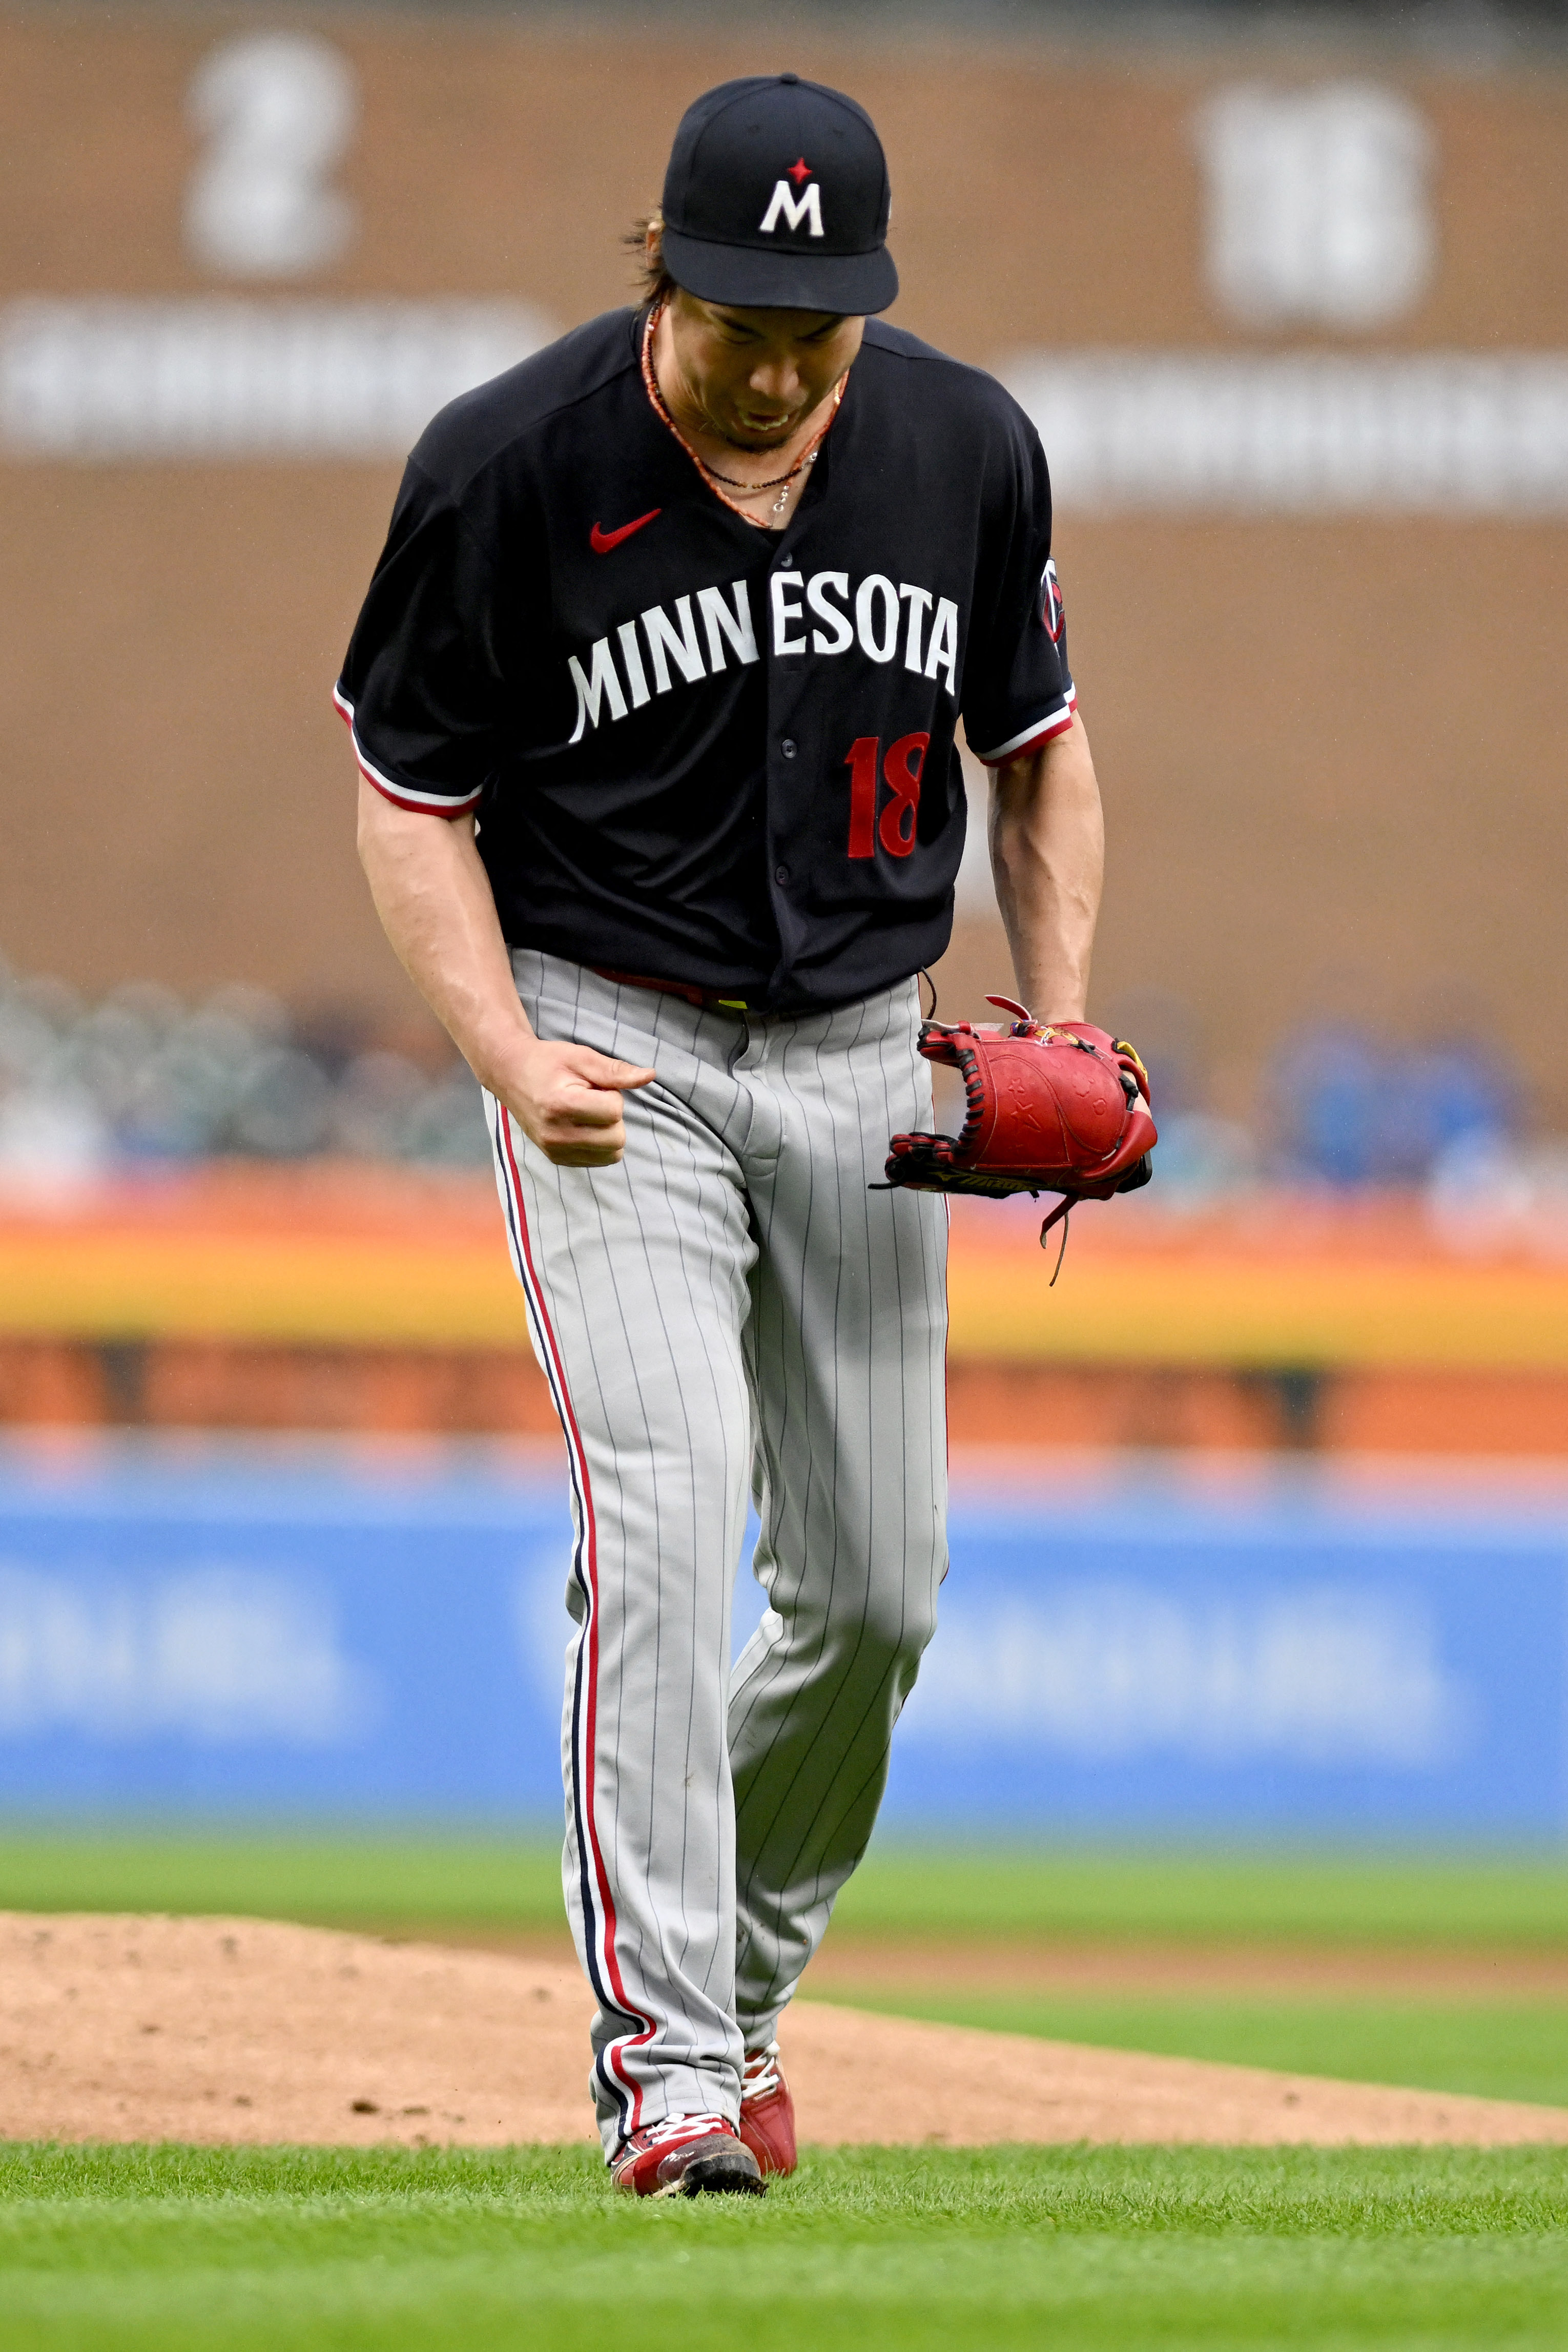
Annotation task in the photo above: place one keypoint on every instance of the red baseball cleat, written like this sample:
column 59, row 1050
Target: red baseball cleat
column 767, row 2112
column 687, row 2156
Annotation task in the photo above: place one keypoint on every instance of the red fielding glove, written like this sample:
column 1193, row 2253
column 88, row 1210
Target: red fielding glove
column 1058, row 1107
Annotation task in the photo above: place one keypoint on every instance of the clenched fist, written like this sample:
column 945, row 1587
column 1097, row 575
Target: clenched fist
column 567, row 1100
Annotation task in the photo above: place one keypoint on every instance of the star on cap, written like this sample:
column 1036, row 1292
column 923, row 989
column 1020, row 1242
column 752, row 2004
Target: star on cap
column 800, row 171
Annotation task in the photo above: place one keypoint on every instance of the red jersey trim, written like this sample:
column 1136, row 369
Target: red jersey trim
column 402, row 795
column 1018, row 747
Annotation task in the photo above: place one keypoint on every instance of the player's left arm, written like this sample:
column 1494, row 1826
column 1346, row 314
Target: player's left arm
column 1047, row 858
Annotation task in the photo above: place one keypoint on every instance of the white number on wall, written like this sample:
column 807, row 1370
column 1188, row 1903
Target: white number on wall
column 1318, row 204
column 277, row 110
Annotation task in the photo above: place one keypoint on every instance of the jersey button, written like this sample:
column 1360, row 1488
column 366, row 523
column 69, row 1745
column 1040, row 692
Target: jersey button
column 787, row 747
column 781, row 873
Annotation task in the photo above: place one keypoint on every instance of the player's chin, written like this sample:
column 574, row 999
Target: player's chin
column 762, row 437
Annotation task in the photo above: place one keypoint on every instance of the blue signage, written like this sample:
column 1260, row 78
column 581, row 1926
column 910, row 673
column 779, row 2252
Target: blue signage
column 1293, row 1660
column 332, row 1631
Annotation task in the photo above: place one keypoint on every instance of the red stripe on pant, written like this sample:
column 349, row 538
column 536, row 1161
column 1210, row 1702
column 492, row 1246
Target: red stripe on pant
column 591, row 1631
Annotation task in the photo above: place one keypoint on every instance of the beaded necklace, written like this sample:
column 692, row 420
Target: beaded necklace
column 715, row 480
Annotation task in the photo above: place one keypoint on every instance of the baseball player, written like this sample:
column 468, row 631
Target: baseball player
column 654, row 697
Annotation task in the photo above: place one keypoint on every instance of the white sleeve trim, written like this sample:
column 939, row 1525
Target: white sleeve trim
column 1040, row 731
column 405, row 795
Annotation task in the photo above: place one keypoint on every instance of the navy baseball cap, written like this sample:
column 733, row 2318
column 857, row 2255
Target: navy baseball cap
column 776, row 198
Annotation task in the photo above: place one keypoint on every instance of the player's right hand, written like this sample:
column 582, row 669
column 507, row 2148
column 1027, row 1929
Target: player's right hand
column 567, row 1100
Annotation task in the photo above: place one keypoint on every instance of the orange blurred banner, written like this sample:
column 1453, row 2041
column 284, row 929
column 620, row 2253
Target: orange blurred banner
column 340, row 1256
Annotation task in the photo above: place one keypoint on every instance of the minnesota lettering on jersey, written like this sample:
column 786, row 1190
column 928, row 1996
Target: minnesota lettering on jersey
column 637, row 804
column 809, row 613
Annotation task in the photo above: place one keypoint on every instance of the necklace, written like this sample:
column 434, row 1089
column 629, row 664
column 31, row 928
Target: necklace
column 781, row 482
column 734, row 484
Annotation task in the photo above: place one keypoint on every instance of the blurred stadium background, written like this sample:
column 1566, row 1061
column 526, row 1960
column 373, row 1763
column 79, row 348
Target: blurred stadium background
column 1261, row 1521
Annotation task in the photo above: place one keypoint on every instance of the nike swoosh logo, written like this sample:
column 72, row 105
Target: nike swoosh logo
column 601, row 541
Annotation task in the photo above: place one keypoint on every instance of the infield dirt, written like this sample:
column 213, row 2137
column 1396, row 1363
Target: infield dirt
column 234, row 2030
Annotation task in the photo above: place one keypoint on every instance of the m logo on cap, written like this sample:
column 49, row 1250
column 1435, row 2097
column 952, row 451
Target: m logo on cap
column 795, row 209
column 776, row 197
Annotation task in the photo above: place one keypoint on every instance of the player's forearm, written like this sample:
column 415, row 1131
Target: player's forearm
column 433, row 898
column 1047, row 857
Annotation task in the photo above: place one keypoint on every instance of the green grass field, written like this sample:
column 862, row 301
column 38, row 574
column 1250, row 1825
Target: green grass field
column 1511, row 2047
column 1495, row 2049
column 1100, row 2250
column 410, row 1879
column 1107, row 2250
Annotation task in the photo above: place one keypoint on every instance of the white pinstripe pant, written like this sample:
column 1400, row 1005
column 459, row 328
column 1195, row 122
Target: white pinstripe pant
column 729, row 1309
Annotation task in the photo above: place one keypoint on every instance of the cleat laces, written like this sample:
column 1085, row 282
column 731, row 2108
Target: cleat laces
column 679, row 2128
column 761, row 2075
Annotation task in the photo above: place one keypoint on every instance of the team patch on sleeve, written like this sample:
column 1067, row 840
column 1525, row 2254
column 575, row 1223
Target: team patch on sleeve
column 1053, row 611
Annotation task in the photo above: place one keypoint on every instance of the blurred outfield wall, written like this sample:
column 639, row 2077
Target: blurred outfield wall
column 1297, row 329
column 337, row 1632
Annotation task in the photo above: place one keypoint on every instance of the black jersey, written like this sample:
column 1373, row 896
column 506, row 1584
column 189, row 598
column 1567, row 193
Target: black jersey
column 700, row 750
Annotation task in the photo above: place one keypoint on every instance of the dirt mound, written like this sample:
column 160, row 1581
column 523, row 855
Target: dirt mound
column 241, row 2029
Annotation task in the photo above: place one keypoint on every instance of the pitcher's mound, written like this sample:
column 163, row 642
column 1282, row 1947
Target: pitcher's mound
column 241, row 2029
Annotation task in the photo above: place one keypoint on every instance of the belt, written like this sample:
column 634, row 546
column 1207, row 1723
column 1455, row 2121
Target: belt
column 706, row 999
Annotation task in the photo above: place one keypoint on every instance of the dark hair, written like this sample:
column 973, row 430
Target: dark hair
column 654, row 281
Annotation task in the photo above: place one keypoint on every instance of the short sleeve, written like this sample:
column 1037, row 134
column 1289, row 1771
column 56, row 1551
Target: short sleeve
column 420, row 686
column 1018, row 688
